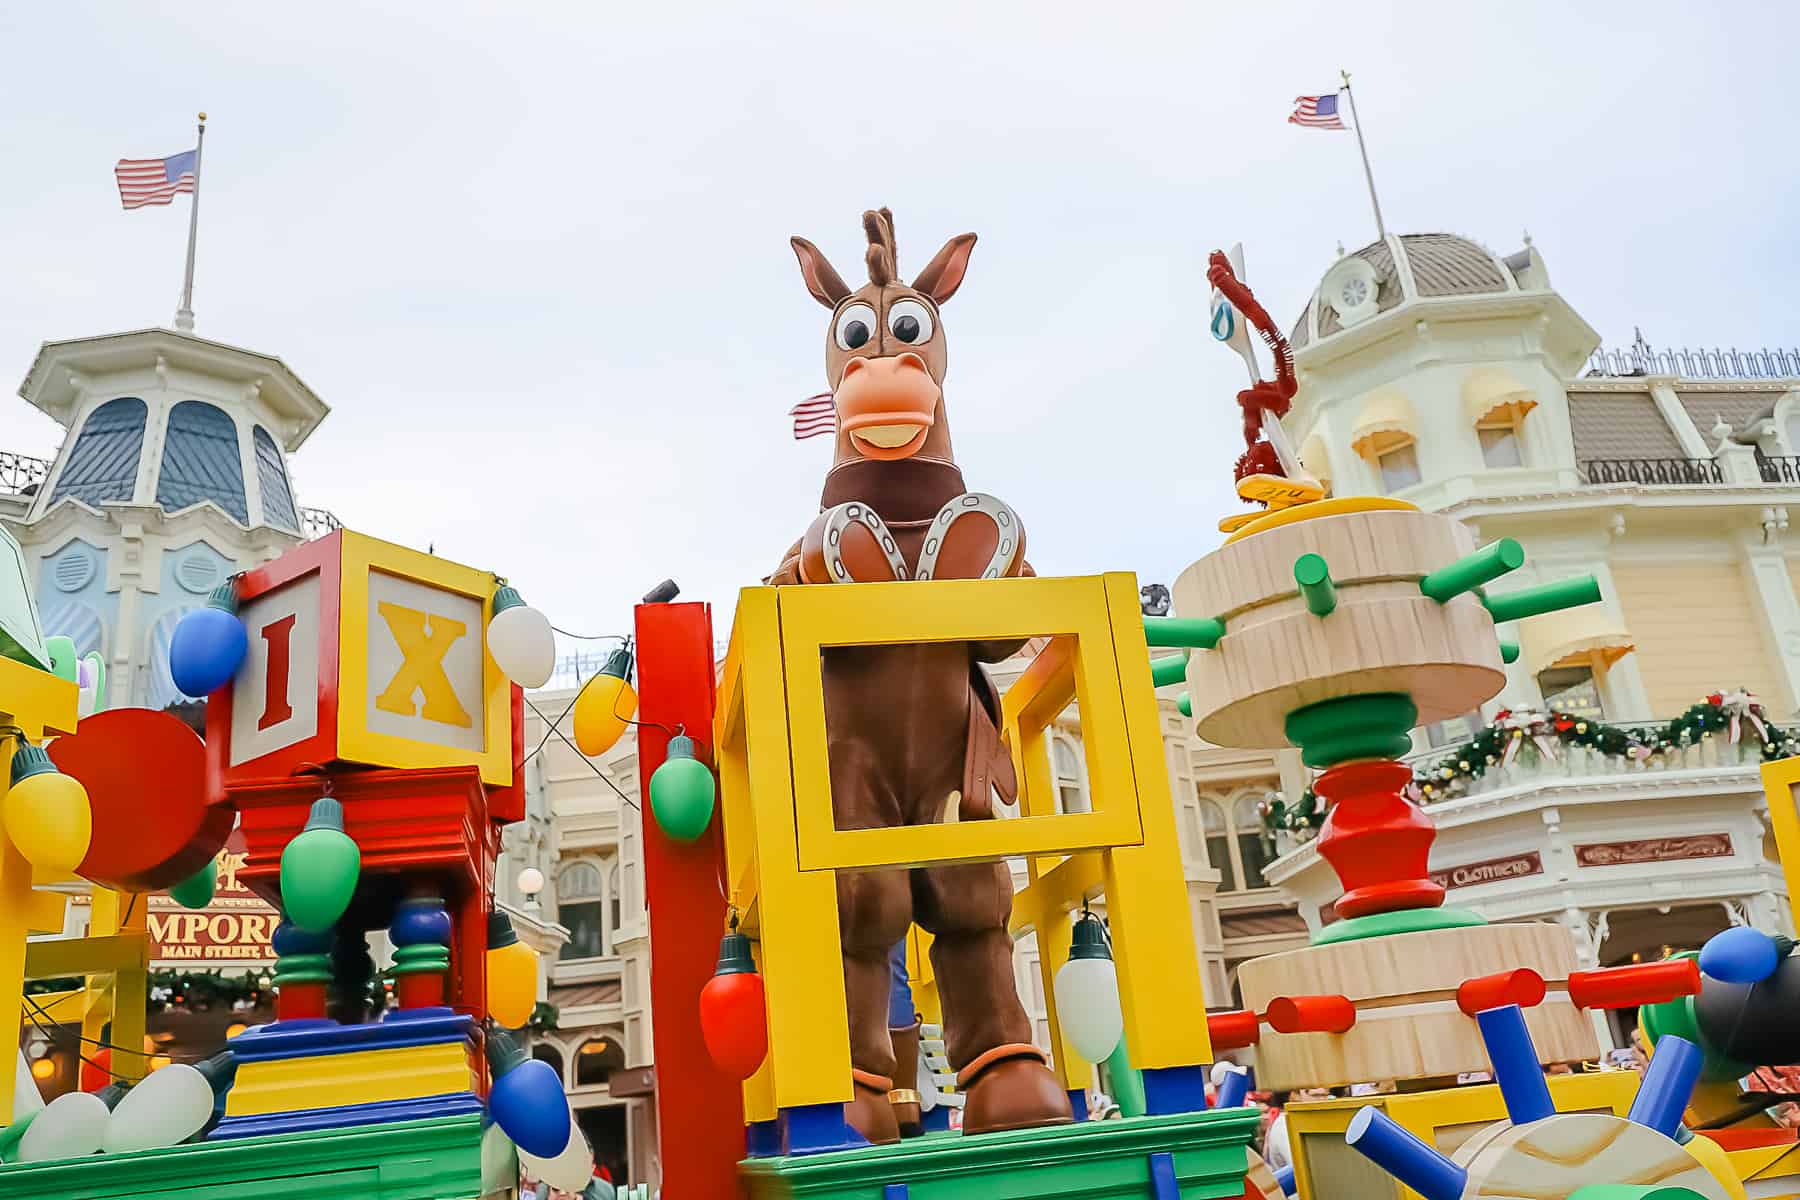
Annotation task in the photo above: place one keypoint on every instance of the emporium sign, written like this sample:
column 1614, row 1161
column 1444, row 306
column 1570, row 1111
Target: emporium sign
column 1490, row 870
column 234, row 930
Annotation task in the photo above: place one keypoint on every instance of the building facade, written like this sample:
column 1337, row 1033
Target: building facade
column 1438, row 372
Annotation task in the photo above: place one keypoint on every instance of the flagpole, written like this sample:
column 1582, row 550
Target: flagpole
column 1380, row 227
column 184, row 316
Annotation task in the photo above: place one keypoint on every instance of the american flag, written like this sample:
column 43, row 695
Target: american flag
column 1320, row 112
column 155, row 180
column 813, row 416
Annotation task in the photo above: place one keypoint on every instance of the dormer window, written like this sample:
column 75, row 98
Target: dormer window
column 202, row 461
column 104, row 462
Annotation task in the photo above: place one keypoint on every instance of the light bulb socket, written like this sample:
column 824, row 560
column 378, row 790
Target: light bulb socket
column 224, row 597
column 112, row 1093
column 501, row 931
column 219, row 1071
column 1089, row 939
column 29, row 760
column 734, row 956
column 681, row 746
column 618, row 664
column 326, row 813
column 507, row 597
column 503, row 1052
column 662, row 593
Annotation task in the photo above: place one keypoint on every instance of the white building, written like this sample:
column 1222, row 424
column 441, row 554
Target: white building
column 1434, row 370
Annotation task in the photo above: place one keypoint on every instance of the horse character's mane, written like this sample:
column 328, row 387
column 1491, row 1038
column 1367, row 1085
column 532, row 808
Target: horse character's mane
column 882, row 258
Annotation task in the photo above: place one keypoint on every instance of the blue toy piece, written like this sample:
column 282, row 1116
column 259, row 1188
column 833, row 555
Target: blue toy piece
column 1420, row 1167
column 1740, row 955
column 1668, row 1082
column 1234, row 1088
column 1515, row 1064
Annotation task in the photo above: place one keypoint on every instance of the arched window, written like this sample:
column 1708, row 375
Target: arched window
column 597, row 1059
column 1065, row 765
column 271, row 477
column 201, row 461
column 1247, row 826
column 546, row 1053
column 580, row 895
column 104, row 462
column 1218, row 843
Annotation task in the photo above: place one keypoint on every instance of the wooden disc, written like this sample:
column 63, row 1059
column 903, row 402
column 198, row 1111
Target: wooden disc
column 145, row 775
column 1558, row 1155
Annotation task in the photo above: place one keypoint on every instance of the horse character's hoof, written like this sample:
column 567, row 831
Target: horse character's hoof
column 1011, row 1087
column 850, row 543
column 870, row 1112
column 905, row 1095
column 974, row 536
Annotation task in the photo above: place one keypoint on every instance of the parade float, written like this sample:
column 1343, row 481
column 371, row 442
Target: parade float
column 841, row 785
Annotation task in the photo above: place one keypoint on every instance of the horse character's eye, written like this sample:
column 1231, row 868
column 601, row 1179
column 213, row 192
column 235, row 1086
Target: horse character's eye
column 910, row 321
column 855, row 326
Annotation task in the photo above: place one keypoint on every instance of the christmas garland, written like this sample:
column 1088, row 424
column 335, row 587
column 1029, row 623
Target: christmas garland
column 1737, row 715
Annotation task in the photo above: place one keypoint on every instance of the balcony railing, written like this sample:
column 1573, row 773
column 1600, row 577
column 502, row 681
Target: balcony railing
column 318, row 522
column 1640, row 359
column 21, row 474
column 1783, row 468
column 1664, row 471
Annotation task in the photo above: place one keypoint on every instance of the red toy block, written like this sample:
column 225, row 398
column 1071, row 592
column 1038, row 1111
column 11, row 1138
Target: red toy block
column 1311, row 1014
column 1233, row 1030
column 1376, row 840
column 1638, row 983
column 1523, row 987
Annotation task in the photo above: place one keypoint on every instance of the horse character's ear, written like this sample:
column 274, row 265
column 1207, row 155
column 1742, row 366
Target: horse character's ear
column 944, row 273
column 821, row 279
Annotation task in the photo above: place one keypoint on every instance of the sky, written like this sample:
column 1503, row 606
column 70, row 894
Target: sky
column 535, row 255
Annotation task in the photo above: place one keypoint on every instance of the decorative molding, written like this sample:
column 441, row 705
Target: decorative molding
column 1659, row 849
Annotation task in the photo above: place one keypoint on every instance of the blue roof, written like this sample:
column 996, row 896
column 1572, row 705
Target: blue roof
column 202, row 461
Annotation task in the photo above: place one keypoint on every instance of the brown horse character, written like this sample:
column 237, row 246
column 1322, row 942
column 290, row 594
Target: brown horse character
column 914, row 729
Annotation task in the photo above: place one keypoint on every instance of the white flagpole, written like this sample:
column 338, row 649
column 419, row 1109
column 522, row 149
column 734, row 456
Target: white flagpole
column 184, row 316
column 1380, row 228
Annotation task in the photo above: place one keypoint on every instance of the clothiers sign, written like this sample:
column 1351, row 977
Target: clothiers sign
column 1661, row 849
column 1490, row 870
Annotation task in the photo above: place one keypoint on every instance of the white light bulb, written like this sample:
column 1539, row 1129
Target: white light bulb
column 1087, row 1007
column 531, row 881
column 568, row 1171
column 171, row 1105
column 71, row 1126
column 523, row 645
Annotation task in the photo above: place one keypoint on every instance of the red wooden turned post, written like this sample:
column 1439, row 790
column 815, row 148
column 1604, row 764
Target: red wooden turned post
column 1376, row 840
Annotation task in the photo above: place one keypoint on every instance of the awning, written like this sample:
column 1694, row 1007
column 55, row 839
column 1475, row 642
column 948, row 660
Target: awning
column 1386, row 420
column 1316, row 459
column 1569, row 638
column 1492, row 394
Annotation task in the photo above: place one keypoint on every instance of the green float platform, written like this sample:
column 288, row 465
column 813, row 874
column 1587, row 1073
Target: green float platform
column 438, row 1158
column 1189, row 1156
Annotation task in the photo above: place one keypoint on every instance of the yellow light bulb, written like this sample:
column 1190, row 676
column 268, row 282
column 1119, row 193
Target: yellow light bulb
column 512, row 976
column 49, row 819
column 43, row 1068
column 603, row 712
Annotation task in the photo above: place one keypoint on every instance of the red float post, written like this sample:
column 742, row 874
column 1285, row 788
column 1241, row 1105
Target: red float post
column 699, row 1109
column 1639, row 983
column 1523, row 987
column 1311, row 1014
column 1376, row 840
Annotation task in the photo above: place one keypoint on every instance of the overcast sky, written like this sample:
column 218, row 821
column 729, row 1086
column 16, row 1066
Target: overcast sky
column 535, row 256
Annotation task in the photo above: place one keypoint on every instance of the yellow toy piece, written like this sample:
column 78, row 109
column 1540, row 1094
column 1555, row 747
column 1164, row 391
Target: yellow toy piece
column 114, row 959
column 783, row 851
column 360, row 1077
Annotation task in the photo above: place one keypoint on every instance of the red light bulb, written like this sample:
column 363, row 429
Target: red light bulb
column 734, row 1012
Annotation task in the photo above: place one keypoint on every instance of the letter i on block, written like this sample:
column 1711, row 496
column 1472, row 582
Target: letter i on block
column 363, row 652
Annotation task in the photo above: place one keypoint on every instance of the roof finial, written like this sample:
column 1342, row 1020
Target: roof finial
column 1527, row 236
column 1340, row 247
